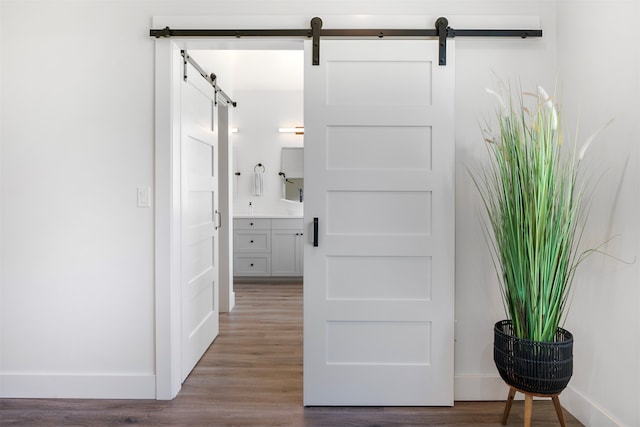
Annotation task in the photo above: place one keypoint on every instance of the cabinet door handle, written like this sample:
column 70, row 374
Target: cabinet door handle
column 251, row 224
column 251, row 241
column 315, row 232
column 251, row 265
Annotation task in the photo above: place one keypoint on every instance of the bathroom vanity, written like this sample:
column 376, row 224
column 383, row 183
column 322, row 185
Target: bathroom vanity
column 267, row 246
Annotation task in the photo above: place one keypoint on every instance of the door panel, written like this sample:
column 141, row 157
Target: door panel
column 411, row 148
column 379, row 176
column 199, row 265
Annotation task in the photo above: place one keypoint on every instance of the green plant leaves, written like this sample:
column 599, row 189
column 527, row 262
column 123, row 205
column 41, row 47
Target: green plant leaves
column 534, row 213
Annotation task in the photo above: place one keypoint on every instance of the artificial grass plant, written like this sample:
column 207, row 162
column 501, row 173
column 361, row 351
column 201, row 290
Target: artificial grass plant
column 534, row 209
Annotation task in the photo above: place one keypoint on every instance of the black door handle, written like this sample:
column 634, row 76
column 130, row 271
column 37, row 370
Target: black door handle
column 315, row 232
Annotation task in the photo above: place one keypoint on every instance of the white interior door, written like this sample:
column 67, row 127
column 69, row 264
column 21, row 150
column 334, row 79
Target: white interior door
column 379, row 176
column 199, row 259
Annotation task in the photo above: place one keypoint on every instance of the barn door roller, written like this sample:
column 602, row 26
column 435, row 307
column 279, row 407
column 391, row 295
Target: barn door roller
column 442, row 31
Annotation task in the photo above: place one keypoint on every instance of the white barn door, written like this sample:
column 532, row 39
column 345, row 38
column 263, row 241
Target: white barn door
column 199, row 259
column 379, row 176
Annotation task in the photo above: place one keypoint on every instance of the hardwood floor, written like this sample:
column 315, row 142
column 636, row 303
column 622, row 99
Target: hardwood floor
column 252, row 376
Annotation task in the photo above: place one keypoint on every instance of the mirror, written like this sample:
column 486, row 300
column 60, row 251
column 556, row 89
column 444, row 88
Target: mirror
column 292, row 174
column 294, row 189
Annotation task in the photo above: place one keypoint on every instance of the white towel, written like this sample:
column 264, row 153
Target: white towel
column 258, row 183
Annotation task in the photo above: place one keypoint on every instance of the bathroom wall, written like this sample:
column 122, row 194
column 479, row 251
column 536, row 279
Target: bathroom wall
column 258, row 116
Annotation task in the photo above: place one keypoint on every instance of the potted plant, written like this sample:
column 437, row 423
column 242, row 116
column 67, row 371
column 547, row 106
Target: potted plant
column 535, row 218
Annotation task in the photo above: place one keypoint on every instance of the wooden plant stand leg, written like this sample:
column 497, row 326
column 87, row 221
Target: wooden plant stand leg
column 528, row 409
column 528, row 406
column 507, row 408
column 556, row 404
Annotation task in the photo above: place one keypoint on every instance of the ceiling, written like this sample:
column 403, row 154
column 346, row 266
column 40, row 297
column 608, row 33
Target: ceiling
column 268, row 70
column 258, row 69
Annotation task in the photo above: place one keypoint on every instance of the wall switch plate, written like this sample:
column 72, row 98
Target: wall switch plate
column 144, row 197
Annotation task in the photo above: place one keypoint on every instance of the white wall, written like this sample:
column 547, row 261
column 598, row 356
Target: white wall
column 76, row 289
column 481, row 63
column 600, row 75
column 76, row 279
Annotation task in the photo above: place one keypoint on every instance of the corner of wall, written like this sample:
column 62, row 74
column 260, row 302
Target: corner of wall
column 479, row 387
column 586, row 410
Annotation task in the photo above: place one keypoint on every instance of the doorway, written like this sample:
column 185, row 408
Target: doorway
column 214, row 57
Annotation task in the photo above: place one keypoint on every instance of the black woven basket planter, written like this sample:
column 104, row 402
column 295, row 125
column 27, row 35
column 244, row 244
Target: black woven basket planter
column 532, row 366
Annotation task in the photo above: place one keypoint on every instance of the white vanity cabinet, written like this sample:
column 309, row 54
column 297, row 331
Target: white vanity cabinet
column 252, row 247
column 265, row 247
column 286, row 247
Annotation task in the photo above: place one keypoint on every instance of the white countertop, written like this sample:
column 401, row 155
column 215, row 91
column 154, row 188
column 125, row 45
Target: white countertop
column 268, row 216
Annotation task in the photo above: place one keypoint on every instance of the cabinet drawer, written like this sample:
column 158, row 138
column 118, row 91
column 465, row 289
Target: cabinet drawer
column 252, row 223
column 256, row 265
column 286, row 223
column 252, row 241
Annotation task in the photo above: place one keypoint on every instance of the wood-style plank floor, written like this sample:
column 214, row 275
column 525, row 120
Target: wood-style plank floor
column 252, row 376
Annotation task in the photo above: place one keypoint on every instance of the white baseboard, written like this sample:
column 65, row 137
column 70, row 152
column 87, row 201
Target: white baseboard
column 586, row 411
column 77, row 386
column 267, row 279
column 232, row 301
column 491, row 387
column 480, row 387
